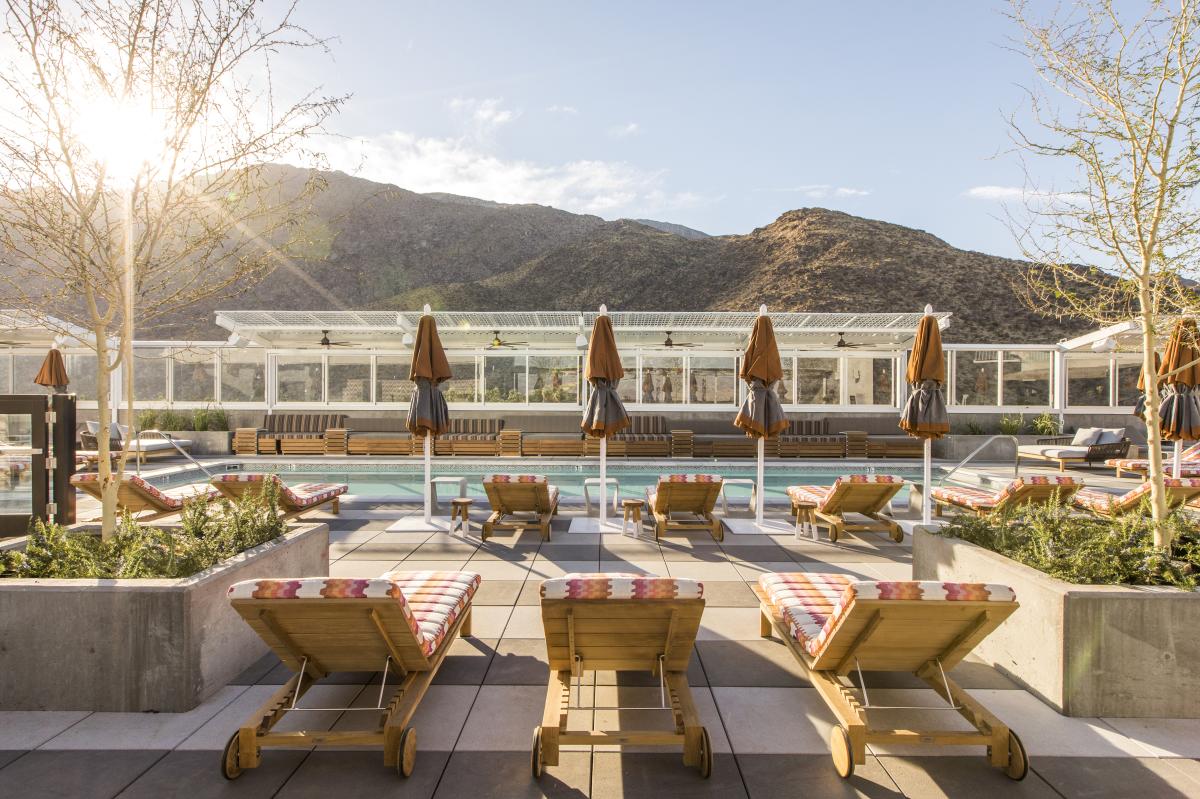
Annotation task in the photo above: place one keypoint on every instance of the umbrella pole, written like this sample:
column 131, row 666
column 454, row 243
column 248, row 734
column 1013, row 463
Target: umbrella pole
column 428, row 477
column 758, row 506
column 927, row 479
column 603, row 481
column 1178, row 466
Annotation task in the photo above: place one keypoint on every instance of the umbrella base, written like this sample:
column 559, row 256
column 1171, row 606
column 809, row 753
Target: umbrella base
column 417, row 524
column 591, row 524
column 751, row 527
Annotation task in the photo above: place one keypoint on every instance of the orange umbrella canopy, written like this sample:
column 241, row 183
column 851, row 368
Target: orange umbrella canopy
column 605, row 413
column 1181, row 358
column 53, row 373
column 927, row 361
column 603, row 360
column 1179, row 412
column 761, row 414
column 1141, row 384
column 925, row 414
column 761, row 359
column 429, row 359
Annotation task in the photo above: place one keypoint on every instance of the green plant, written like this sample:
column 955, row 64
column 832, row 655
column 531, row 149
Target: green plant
column 974, row 429
column 148, row 420
column 218, row 420
column 174, row 420
column 1011, row 425
column 200, row 419
column 1086, row 549
column 1046, row 424
column 208, row 534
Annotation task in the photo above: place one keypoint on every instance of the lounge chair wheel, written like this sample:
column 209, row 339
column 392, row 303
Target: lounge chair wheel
column 1018, row 761
column 406, row 754
column 843, row 758
column 535, row 759
column 706, row 754
column 231, row 767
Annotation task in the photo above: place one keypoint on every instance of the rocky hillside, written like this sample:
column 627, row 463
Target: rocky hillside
column 378, row 246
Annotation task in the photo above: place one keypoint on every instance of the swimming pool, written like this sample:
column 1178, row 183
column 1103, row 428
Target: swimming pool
column 402, row 481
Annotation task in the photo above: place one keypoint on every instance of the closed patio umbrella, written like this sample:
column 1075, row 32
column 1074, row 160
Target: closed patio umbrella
column 761, row 414
column 605, row 414
column 1139, row 407
column 924, row 414
column 53, row 373
column 1179, row 412
column 428, row 416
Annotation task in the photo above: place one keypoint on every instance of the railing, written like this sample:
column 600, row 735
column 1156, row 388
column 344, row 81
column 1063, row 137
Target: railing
column 181, row 451
column 1016, row 461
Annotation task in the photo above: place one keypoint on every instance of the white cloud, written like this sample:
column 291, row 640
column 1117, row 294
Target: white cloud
column 1004, row 194
column 842, row 191
column 486, row 113
column 624, row 131
column 563, row 109
column 821, row 191
column 466, row 166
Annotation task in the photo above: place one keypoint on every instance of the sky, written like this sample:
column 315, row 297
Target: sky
column 715, row 115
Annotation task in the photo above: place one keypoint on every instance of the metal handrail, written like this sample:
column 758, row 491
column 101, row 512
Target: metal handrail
column 1016, row 460
column 182, row 451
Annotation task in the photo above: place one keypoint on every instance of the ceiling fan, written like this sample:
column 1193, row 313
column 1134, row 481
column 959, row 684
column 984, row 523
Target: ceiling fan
column 843, row 344
column 326, row 343
column 499, row 343
column 669, row 344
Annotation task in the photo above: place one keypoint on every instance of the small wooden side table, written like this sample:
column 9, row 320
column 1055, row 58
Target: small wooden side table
column 460, row 508
column 806, row 517
column 633, row 512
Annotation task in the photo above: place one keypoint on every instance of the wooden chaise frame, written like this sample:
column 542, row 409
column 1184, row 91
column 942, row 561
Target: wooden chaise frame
column 236, row 489
column 866, row 499
column 132, row 498
column 514, row 497
column 926, row 638
column 644, row 635
column 315, row 637
column 697, row 499
column 1027, row 494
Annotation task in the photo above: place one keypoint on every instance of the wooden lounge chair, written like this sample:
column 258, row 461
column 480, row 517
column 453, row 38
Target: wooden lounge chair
column 692, row 495
column 401, row 624
column 293, row 500
column 510, row 494
column 834, row 625
column 1087, row 447
column 1180, row 491
column 142, row 499
column 621, row 622
column 1037, row 490
column 864, row 494
column 1189, row 461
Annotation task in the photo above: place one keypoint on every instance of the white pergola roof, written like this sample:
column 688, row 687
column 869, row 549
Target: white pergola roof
column 1126, row 336
column 304, row 328
column 22, row 328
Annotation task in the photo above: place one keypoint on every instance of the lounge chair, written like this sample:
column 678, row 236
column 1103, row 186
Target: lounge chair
column 692, row 495
column 1088, row 446
column 293, row 500
column 1189, row 461
column 621, row 622
column 834, row 625
column 148, row 444
column 401, row 624
column 865, row 494
column 136, row 496
column 1036, row 490
column 1180, row 491
column 510, row 494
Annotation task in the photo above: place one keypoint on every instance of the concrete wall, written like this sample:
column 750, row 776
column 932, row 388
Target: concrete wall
column 138, row 645
column 1085, row 650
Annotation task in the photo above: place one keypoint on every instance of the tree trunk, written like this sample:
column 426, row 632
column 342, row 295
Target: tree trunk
column 108, row 481
column 1154, row 450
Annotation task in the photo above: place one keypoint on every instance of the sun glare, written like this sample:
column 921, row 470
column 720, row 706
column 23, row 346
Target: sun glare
column 126, row 137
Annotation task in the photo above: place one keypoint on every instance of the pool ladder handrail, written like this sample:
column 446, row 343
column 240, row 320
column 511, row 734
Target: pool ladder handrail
column 180, row 449
column 1016, row 458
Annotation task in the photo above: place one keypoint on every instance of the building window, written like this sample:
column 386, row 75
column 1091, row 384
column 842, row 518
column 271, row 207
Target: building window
column 818, row 381
column 554, row 378
column 6, row 373
column 299, row 378
column 1026, row 378
column 712, row 381
column 869, row 380
column 1088, row 380
column 461, row 385
column 193, row 374
column 81, row 369
column 504, row 378
column 975, row 377
column 391, row 379
column 1128, row 372
column 627, row 388
column 243, row 376
column 662, row 380
column 349, row 378
column 149, row 374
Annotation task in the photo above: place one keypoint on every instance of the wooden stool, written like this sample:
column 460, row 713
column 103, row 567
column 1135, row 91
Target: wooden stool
column 460, row 508
column 633, row 511
column 806, row 514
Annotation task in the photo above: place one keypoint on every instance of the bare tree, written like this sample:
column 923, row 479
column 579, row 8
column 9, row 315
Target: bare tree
column 136, row 143
column 1117, row 106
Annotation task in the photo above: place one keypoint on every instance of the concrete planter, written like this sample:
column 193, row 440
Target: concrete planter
column 139, row 645
column 1085, row 650
column 957, row 446
column 205, row 442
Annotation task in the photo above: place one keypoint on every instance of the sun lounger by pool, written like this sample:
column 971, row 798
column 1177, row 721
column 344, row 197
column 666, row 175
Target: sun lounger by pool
column 621, row 622
column 401, row 624
column 1036, row 490
column 137, row 496
column 1088, row 446
column 686, row 502
column 148, row 444
column 293, row 500
column 836, row 626
column 510, row 494
column 1180, row 491
column 1189, row 461
column 864, row 494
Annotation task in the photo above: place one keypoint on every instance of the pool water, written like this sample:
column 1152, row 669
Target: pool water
column 402, row 482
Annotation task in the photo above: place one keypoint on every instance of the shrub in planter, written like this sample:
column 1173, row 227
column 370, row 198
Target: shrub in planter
column 173, row 420
column 1011, row 425
column 1046, row 424
column 1087, row 549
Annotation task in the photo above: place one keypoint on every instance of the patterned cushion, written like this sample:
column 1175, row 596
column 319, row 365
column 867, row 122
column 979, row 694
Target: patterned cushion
column 514, row 478
column 811, row 494
column 982, row 499
column 1103, row 502
column 621, row 586
column 170, row 498
column 302, row 495
column 814, row 604
column 1188, row 467
column 690, row 478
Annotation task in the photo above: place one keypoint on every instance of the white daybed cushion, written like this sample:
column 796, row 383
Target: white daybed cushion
column 1111, row 435
column 1086, row 436
column 1052, row 451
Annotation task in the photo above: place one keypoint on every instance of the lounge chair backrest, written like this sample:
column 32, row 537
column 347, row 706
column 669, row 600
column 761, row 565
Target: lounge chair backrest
column 807, row 427
column 1192, row 453
column 621, row 621
column 647, row 426
column 1180, row 490
column 862, row 493
column 338, row 624
column 518, row 493
column 473, row 426
column 687, row 493
column 1038, row 489
column 133, row 494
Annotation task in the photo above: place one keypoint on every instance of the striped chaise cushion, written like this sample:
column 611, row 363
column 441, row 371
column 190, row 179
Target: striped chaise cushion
column 620, row 586
column 982, row 499
column 813, row 604
column 819, row 494
column 301, row 495
column 1094, row 499
column 169, row 498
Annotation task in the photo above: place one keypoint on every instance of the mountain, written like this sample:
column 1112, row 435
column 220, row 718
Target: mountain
column 671, row 227
column 378, row 246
